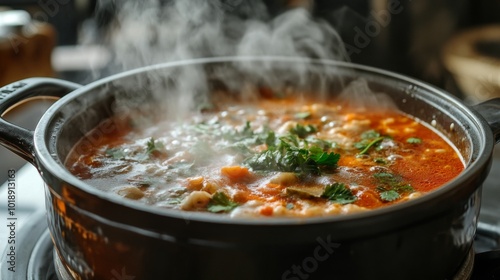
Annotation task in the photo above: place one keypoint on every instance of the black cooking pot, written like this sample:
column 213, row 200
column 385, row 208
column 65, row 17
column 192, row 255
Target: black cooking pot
column 98, row 235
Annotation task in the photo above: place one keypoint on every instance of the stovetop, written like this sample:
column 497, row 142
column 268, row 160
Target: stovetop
column 34, row 259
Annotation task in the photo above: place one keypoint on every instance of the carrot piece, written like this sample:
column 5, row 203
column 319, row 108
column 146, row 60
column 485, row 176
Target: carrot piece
column 195, row 183
column 369, row 199
column 235, row 173
column 266, row 210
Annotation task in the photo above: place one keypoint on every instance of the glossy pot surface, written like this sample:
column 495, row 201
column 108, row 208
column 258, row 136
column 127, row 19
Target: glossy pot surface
column 99, row 236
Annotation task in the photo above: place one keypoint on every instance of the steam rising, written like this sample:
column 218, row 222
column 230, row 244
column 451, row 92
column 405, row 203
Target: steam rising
column 153, row 31
column 357, row 96
column 150, row 32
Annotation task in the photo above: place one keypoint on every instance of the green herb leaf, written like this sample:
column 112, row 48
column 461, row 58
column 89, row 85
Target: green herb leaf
column 386, row 178
column 247, row 130
column 320, row 143
column 220, row 202
column 389, row 195
column 390, row 185
column 380, row 161
column 302, row 115
column 270, row 139
column 370, row 134
column 404, row 188
column 371, row 144
column 154, row 146
column 323, row 158
column 291, row 156
column 302, row 131
column 369, row 139
column 414, row 140
column 339, row 193
column 116, row 153
column 288, row 153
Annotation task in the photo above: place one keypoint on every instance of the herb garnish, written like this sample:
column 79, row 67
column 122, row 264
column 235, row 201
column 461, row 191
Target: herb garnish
column 302, row 131
column 297, row 151
column 414, row 140
column 220, row 202
column 154, row 146
column 116, row 153
column 339, row 193
column 302, row 115
column 380, row 160
column 390, row 186
column 389, row 195
column 369, row 139
column 372, row 143
column 294, row 155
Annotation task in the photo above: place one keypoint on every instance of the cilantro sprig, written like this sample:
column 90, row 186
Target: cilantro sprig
column 414, row 140
column 302, row 131
column 339, row 193
column 153, row 146
column 390, row 186
column 292, row 154
column 369, row 139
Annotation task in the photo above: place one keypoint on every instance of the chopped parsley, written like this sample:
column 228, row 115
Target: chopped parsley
column 302, row 131
column 220, row 202
column 389, row 195
column 371, row 144
column 391, row 186
column 380, row 160
column 292, row 154
column 414, row 140
column 339, row 193
column 297, row 151
column 154, row 146
column 370, row 134
column 369, row 139
column 302, row 115
column 116, row 153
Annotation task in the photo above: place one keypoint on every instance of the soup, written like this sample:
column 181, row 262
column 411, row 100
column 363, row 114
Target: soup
column 276, row 157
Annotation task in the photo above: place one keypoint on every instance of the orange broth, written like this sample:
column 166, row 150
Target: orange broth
column 284, row 157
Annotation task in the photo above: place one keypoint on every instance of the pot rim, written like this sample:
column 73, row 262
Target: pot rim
column 474, row 167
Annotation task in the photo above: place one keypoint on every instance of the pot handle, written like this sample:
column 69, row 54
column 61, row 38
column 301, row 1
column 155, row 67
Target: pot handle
column 17, row 139
column 490, row 110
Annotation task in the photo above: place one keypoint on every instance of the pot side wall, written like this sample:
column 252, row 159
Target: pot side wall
column 93, row 249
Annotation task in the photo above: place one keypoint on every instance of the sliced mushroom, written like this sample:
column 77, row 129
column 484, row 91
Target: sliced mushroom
column 310, row 191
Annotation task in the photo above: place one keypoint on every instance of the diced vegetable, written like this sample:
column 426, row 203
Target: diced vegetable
column 235, row 172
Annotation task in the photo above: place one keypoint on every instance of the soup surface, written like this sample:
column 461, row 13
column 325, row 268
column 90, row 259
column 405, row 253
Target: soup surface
column 273, row 157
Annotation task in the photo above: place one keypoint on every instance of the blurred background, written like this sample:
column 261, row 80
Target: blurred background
column 452, row 44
